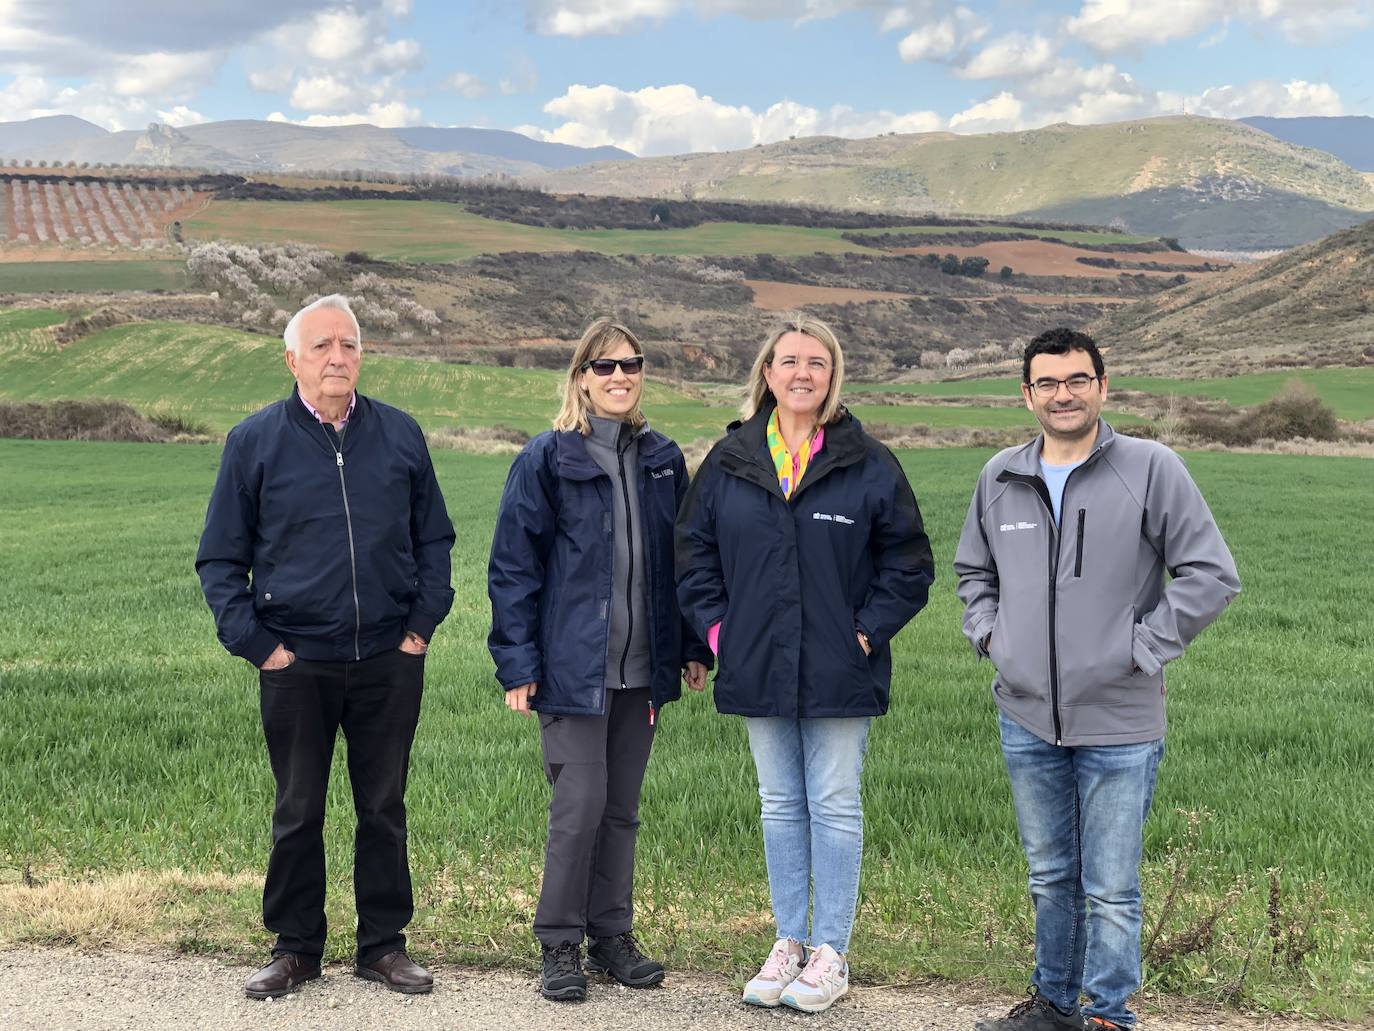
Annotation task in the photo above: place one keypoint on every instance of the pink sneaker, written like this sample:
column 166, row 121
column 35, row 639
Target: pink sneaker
column 781, row 968
column 825, row 979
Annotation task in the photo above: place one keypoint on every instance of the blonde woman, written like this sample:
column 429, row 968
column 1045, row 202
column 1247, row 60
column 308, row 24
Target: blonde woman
column 586, row 631
column 800, row 553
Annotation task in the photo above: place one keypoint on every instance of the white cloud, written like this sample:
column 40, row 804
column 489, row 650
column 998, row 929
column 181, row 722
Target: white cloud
column 1267, row 97
column 338, row 35
column 1001, row 113
column 1110, row 26
column 391, row 115
column 942, row 37
column 400, row 55
column 597, row 17
column 164, row 75
column 676, row 119
column 522, row 78
column 272, row 80
column 30, row 96
column 1011, row 56
column 323, row 93
column 467, row 85
column 181, row 115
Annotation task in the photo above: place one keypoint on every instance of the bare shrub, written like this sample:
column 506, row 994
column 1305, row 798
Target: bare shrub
column 479, row 440
column 91, row 420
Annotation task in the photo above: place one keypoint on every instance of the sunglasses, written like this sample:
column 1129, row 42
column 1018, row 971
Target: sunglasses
column 631, row 366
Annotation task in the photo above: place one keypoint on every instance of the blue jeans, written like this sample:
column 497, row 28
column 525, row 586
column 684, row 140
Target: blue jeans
column 813, row 822
column 1081, row 812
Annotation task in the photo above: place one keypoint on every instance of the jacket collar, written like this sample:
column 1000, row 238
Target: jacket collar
column 745, row 451
column 296, row 410
column 1025, row 461
column 575, row 462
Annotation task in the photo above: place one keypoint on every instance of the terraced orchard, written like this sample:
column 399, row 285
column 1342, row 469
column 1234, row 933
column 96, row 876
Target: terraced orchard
column 89, row 214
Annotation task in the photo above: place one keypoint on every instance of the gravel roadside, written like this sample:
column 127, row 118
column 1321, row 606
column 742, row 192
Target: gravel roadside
column 63, row 990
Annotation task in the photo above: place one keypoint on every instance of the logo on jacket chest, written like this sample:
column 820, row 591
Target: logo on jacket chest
column 830, row 517
column 1008, row 527
column 659, row 474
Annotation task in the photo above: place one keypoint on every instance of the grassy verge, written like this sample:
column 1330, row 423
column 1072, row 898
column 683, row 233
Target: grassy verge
column 134, row 785
column 34, row 277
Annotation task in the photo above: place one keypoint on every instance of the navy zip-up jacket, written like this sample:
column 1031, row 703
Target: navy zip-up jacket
column 790, row 580
column 550, row 573
column 333, row 544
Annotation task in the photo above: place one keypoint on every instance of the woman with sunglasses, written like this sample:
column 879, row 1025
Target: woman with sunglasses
column 586, row 631
column 800, row 555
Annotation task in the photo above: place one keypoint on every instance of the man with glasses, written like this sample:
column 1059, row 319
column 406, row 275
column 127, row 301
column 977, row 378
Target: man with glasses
column 325, row 559
column 1061, row 569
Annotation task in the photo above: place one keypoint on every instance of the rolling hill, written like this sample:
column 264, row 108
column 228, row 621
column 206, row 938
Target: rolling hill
column 245, row 145
column 1214, row 184
column 1312, row 306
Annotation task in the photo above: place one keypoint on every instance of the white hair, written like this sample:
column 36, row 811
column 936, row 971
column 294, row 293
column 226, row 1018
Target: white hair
column 292, row 333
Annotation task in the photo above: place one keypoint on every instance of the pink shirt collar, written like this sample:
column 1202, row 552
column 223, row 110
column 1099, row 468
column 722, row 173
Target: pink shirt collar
column 352, row 400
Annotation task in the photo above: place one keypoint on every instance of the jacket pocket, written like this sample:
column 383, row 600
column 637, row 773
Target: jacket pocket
column 1078, row 549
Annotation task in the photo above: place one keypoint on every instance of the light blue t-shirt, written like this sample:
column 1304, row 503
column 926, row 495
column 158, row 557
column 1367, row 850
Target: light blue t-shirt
column 1055, row 477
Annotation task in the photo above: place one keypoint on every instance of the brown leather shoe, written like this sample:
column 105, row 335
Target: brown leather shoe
column 284, row 974
column 398, row 972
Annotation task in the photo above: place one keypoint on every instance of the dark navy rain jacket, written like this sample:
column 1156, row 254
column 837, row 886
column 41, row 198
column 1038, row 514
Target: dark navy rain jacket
column 790, row 580
column 550, row 573
column 346, row 553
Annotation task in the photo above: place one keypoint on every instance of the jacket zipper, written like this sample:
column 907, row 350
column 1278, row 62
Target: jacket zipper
column 630, row 575
column 1078, row 556
column 348, row 521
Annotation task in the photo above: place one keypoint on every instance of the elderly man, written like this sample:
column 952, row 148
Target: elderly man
column 325, row 560
column 1061, row 570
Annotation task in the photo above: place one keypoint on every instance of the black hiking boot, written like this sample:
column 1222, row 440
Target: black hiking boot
column 562, row 979
column 620, row 957
column 1033, row 1014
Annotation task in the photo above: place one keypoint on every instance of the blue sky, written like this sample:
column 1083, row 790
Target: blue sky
column 666, row 76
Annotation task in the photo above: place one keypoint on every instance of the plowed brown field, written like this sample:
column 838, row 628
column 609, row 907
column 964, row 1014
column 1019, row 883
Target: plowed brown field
column 772, row 296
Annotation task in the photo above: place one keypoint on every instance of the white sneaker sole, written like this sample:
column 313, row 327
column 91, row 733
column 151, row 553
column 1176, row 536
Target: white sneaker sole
column 804, row 1006
column 755, row 999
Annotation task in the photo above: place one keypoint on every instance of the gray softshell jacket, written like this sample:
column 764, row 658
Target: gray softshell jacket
column 1081, row 621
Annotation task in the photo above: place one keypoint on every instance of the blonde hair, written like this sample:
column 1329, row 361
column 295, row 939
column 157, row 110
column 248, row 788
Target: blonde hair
column 601, row 338
column 795, row 322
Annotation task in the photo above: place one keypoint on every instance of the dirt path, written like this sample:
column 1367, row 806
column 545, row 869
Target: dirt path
column 58, row 990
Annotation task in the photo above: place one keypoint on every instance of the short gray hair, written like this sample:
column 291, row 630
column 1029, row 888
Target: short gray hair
column 292, row 333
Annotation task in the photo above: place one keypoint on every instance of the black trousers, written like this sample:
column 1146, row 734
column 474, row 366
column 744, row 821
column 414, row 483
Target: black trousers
column 376, row 702
column 595, row 765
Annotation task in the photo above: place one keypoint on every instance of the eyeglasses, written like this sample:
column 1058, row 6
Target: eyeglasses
column 605, row 366
column 1048, row 386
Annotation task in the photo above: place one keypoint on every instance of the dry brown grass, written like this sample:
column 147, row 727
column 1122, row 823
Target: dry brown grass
column 479, row 440
column 103, row 910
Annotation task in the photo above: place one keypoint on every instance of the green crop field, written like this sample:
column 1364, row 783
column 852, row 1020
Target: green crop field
column 1350, row 392
column 433, row 231
column 132, row 744
column 995, row 231
column 36, row 277
column 216, row 376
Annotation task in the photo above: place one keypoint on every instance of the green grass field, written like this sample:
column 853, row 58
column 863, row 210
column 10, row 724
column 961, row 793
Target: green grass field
column 1350, row 392
column 994, row 231
column 35, row 277
column 424, row 231
column 217, row 376
column 132, row 743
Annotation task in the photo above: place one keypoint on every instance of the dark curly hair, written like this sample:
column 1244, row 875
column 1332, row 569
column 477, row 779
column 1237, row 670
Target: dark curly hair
column 1061, row 340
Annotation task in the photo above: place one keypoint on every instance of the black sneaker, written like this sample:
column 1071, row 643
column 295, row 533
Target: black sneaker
column 1034, row 1014
column 562, row 979
column 620, row 957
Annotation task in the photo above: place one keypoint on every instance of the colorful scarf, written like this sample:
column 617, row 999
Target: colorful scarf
column 791, row 468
